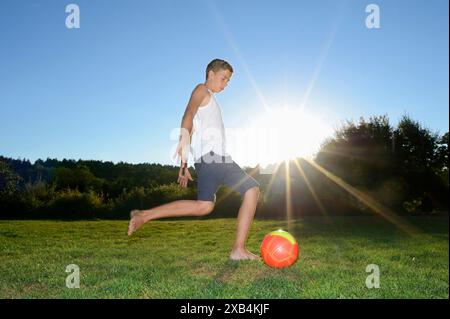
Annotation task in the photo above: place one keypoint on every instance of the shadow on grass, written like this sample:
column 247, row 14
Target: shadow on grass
column 226, row 271
column 368, row 227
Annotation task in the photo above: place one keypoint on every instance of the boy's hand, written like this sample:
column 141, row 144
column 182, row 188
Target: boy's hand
column 184, row 176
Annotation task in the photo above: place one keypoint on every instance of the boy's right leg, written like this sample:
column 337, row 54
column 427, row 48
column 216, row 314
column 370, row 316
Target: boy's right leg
column 174, row 209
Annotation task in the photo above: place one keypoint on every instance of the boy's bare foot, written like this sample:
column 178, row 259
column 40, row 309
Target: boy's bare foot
column 242, row 254
column 135, row 221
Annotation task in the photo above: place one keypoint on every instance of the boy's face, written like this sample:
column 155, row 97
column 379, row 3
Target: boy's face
column 219, row 79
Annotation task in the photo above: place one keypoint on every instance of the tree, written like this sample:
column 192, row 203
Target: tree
column 79, row 178
column 360, row 153
column 415, row 146
column 442, row 159
column 396, row 166
column 9, row 180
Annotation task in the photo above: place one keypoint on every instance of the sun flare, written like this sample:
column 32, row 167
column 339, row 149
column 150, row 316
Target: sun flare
column 283, row 134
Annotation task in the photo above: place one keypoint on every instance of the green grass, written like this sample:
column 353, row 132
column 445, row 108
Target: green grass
column 189, row 259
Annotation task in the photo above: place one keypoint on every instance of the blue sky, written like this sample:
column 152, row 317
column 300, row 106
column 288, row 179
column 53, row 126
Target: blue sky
column 116, row 87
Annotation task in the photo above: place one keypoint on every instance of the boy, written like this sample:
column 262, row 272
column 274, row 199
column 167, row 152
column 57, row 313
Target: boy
column 214, row 166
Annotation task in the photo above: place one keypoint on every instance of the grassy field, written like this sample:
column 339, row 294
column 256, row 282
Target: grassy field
column 189, row 259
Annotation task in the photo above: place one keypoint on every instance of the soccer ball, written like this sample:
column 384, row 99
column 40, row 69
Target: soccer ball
column 279, row 249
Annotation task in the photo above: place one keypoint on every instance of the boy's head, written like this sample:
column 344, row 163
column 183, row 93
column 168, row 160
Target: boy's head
column 218, row 73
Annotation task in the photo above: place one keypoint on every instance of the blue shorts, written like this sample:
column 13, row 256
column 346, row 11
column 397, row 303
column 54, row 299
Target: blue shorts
column 220, row 170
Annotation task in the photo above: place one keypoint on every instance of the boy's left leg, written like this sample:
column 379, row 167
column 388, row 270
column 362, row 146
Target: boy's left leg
column 236, row 178
column 244, row 220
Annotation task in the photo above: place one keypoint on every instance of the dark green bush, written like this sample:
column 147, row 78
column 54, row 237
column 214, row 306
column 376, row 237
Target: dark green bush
column 72, row 204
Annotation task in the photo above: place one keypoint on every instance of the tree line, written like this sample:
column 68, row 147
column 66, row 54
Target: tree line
column 404, row 168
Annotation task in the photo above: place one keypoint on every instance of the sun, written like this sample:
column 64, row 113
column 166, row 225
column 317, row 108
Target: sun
column 285, row 133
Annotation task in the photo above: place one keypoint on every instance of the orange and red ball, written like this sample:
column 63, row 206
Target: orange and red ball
column 279, row 249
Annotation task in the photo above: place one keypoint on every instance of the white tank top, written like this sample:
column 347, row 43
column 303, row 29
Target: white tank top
column 208, row 130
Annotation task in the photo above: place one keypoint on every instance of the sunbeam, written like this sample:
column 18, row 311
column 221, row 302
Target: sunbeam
column 232, row 42
column 272, row 178
column 288, row 195
column 369, row 202
column 323, row 55
column 313, row 192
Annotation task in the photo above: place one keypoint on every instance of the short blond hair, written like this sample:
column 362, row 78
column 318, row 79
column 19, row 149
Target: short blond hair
column 217, row 65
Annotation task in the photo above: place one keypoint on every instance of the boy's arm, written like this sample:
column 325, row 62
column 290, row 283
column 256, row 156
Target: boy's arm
column 197, row 97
